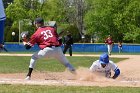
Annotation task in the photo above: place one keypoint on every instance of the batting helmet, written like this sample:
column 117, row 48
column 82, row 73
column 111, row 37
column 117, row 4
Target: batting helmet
column 104, row 58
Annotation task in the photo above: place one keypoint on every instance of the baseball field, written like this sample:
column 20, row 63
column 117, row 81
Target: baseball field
column 50, row 76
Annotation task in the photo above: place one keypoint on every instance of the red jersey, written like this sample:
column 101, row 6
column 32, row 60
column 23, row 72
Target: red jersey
column 45, row 37
column 109, row 41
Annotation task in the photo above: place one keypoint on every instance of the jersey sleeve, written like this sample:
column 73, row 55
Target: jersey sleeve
column 33, row 40
column 114, row 67
column 93, row 66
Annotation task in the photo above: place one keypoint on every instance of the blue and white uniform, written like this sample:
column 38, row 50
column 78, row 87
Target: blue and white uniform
column 96, row 66
column 105, row 65
column 2, row 21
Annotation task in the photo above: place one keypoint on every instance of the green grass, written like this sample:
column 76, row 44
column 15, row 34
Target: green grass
column 14, row 64
column 64, row 89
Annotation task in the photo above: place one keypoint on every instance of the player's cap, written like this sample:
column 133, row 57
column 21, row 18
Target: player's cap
column 104, row 58
column 39, row 20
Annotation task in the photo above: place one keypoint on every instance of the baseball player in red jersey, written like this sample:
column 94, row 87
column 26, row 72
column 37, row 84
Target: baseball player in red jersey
column 109, row 43
column 48, row 40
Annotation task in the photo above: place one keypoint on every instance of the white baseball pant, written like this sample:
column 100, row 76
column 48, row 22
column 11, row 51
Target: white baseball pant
column 55, row 52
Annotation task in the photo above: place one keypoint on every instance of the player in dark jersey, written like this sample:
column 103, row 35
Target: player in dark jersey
column 48, row 40
column 68, row 42
column 120, row 46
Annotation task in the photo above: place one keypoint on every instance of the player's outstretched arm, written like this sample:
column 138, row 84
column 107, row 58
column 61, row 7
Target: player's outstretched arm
column 117, row 73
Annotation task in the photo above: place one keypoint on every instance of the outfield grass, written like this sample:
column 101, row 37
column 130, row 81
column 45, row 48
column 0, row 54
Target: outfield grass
column 65, row 89
column 14, row 64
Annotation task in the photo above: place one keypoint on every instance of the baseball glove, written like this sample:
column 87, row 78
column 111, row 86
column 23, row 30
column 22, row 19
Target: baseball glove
column 24, row 36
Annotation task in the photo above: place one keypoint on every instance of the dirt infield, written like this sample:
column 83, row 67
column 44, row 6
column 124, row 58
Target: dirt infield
column 130, row 76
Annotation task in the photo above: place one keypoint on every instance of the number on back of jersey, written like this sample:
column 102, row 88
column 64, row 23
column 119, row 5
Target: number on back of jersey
column 47, row 34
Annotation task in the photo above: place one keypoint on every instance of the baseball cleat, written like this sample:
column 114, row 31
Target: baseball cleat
column 73, row 71
column 28, row 78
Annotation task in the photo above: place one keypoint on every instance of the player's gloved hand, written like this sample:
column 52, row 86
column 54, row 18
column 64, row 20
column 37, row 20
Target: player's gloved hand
column 117, row 73
column 24, row 36
column 114, row 77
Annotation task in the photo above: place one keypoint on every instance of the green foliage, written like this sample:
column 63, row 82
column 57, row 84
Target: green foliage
column 9, row 37
column 26, row 11
column 55, row 9
column 23, row 9
column 114, row 17
column 74, row 31
column 119, row 18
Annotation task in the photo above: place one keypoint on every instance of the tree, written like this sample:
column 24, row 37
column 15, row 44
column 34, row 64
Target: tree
column 24, row 11
column 62, row 11
column 118, row 18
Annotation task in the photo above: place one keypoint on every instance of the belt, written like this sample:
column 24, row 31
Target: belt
column 52, row 46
